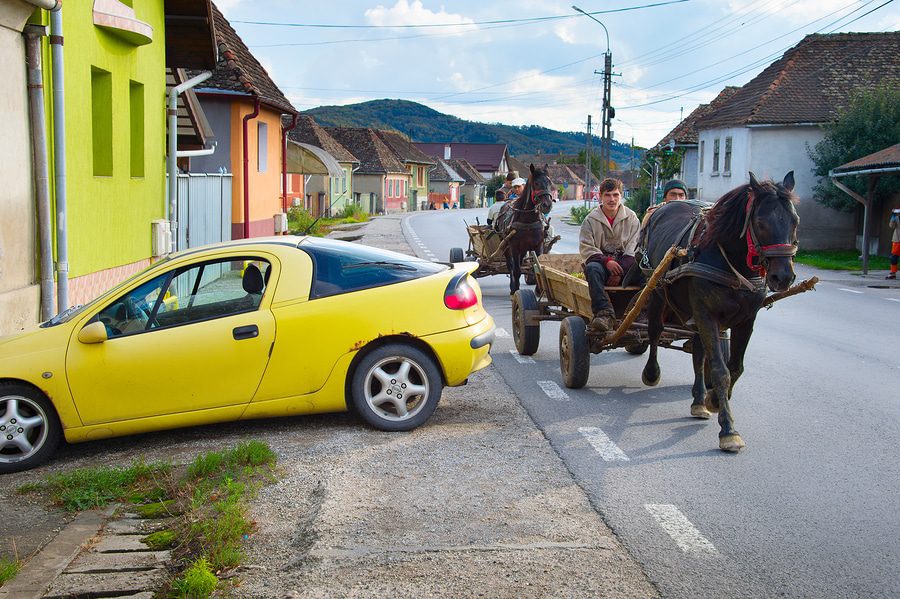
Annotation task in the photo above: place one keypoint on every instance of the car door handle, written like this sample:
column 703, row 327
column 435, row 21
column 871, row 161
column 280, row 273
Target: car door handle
column 248, row 332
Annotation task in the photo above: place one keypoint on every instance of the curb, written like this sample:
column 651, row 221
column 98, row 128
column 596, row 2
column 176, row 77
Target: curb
column 36, row 576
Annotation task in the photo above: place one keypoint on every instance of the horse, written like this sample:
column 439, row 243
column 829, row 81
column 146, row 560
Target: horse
column 523, row 214
column 744, row 243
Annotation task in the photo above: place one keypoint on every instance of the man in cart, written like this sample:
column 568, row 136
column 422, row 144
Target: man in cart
column 608, row 239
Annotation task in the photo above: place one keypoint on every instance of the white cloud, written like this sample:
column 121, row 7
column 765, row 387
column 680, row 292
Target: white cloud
column 369, row 61
column 226, row 5
column 415, row 13
column 564, row 32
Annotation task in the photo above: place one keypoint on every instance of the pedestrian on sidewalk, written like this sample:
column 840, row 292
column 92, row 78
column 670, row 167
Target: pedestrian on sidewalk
column 895, row 242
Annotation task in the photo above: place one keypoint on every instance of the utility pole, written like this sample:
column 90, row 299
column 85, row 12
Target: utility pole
column 608, row 111
column 587, row 163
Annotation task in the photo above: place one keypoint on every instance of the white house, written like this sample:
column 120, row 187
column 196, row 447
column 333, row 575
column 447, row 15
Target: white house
column 769, row 124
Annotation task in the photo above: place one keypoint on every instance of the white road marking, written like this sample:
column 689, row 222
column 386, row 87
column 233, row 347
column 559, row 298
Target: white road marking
column 892, row 299
column 602, row 444
column 676, row 524
column 521, row 359
column 553, row 391
column 501, row 332
column 849, row 290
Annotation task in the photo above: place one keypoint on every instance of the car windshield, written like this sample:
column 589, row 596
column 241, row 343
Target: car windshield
column 341, row 267
column 70, row 313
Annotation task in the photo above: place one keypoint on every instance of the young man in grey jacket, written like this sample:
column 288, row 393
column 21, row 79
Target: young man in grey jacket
column 607, row 242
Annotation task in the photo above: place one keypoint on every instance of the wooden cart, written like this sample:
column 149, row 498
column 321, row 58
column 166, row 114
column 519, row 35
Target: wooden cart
column 564, row 297
column 486, row 247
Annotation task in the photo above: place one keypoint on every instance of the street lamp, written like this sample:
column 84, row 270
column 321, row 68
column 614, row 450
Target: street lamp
column 608, row 111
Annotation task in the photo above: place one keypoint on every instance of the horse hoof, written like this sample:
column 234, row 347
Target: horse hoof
column 698, row 411
column 731, row 443
column 711, row 402
column 648, row 381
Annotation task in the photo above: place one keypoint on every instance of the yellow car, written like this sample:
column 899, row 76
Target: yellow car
column 249, row 329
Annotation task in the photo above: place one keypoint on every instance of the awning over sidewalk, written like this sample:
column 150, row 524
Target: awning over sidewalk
column 306, row 159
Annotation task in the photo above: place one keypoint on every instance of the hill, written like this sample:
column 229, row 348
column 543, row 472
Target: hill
column 424, row 124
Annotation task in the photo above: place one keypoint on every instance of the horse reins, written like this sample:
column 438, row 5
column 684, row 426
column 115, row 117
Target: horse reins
column 762, row 253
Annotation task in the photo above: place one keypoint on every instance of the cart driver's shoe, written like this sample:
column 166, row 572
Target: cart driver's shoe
column 893, row 275
column 604, row 321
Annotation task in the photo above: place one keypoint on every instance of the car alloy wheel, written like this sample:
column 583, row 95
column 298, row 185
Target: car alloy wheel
column 29, row 428
column 396, row 387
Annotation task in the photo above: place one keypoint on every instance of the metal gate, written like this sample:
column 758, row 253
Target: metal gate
column 204, row 209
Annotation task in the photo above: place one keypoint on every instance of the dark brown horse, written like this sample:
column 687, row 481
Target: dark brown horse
column 745, row 242
column 524, row 215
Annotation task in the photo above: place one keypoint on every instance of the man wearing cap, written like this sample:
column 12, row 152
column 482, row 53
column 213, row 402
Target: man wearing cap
column 607, row 242
column 674, row 190
column 499, row 198
column 506, row 188
column 517, row 186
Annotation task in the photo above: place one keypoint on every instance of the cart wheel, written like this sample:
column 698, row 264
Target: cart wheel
column 457, row 255
column 529, row 278
column 637, row 349
column 574, row 354
column 526, row 336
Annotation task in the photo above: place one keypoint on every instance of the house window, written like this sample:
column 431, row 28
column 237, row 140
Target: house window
column 101, row 122
column 420, row 176
column 715, row 166
column 390, row 188
column 702, row 151
column 262, row 147
column 136, row 97
column 727, row 167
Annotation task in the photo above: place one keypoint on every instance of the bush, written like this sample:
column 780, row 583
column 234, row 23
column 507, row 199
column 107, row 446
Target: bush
column 302, row 222
column 198, row 581
column 579, row 213
column 353, row 212
column 639, row 201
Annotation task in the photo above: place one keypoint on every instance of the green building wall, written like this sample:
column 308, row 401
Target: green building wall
column 115, row 94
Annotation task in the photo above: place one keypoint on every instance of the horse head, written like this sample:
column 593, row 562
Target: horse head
column 539, row 190
column 770, row 228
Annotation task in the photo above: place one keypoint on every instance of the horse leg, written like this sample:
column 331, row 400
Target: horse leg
column 515, row 269
column 698, row 391
column 740, row 338
column 729, row 439
column 651, row 374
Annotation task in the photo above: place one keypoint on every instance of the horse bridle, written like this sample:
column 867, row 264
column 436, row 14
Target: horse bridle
column 534, row 198
column 761, row 253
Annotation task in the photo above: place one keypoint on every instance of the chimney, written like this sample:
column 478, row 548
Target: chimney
column 446, row 151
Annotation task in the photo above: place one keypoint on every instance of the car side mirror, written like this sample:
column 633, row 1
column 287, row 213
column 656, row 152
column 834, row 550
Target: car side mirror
column 94, row 332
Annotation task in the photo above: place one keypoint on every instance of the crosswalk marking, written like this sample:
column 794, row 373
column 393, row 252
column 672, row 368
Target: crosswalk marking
column 521, row 359
column 676, row 524
column 552, row 390
column 602, row 444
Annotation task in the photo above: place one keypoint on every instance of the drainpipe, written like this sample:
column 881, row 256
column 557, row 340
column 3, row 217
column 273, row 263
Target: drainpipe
column 284, row 174
column 247, row 119
column 191, row 153
column 33, row 35
column 59, row 158
column 45, row 4
column 171, row 158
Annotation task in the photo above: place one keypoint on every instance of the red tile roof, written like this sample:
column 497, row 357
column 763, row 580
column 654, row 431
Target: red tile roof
column 813, row 81
column 685, row 132
column 239, row 71
column 375, row 157
column 485, row 157
column 467, row 170
column 308, row 131
column 405, row 149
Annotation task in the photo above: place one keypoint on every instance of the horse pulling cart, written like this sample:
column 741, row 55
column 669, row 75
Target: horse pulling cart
column 488, row 248
column 563, row 297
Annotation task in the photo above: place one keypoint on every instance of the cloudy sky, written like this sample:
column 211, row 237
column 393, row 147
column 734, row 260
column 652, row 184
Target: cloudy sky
column 534, row 61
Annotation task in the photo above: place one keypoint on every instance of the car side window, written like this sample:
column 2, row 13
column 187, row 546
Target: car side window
column 191, row 294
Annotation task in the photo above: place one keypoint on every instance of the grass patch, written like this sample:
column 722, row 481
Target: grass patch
column 161, row 539
column 579, row 213
column 839, row 260
column 302, row 222
column 8, row 569
column 210, row 497
column 87, row 488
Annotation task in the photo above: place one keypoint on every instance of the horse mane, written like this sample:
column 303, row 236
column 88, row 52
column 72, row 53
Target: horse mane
column 725, row 220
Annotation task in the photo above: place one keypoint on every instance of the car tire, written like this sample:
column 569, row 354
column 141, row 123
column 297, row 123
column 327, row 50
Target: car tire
column 457, row 255
column 29, row 428
column 387, row 370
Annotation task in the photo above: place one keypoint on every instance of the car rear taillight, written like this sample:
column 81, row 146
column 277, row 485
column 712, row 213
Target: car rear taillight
column 459, row 294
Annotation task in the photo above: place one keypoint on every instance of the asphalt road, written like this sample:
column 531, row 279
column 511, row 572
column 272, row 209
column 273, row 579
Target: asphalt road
column 808, row 509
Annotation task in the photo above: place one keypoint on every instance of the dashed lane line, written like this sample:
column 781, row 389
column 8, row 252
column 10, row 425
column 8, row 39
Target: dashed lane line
column 849, row 290
column 602, row 444
column 521, row 359
column 553, row 391
column 501, row 333
column 676, row 524
column 892, row 299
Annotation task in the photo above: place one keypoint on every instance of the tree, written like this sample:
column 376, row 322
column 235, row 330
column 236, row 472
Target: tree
column 493, row 184
column 870, row 123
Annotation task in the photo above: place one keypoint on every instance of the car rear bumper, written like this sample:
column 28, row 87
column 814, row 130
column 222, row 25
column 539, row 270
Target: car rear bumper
column 464, row 351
